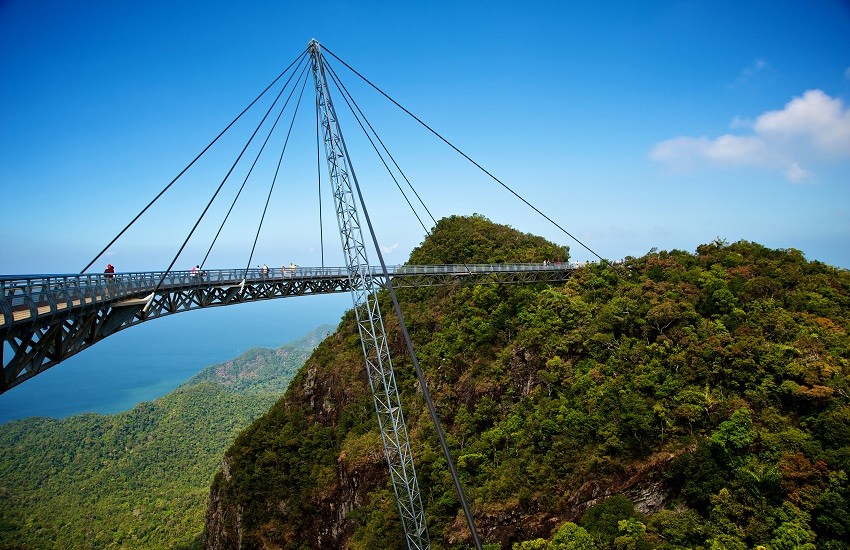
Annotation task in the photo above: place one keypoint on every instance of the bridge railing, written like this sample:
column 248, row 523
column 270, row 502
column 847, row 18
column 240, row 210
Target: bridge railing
column 477, row 268
column 30, row 296
column 33, row 295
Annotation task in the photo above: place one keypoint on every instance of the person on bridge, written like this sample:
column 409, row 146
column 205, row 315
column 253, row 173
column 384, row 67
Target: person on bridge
column 292, row 267
column 109, row 272
column 264, row 270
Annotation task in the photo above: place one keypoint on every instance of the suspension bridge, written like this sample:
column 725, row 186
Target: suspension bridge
column 44, row 319
column 47, row 318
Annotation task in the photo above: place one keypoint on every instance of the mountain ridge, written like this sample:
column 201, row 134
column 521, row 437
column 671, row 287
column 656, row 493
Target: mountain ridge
column 140, row 478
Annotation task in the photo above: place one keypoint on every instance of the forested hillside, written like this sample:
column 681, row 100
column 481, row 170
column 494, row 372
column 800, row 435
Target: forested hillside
column 138, row 479
column 682, row 400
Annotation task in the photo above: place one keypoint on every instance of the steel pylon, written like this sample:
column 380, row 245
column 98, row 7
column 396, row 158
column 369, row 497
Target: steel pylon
column 364, row 293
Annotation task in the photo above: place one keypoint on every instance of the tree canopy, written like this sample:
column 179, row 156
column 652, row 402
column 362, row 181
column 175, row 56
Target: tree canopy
column 138, row 479
column 720, row 378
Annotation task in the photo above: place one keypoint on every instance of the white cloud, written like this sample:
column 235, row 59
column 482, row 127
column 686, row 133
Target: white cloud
column 808, row 130
column 726, row 149
column 758, row 71
column 796, row 174
column 815, row 117
column 729, row 149
column 739, row 122
column 389, row 249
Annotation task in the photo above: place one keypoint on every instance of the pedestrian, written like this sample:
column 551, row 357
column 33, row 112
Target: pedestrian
column 264, row 270
column 109, row 272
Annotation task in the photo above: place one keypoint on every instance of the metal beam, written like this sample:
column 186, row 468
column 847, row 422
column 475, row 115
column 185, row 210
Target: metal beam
column 370, row 324
column 45, row 319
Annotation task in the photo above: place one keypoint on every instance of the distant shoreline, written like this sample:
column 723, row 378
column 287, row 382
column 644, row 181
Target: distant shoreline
column 151, row 360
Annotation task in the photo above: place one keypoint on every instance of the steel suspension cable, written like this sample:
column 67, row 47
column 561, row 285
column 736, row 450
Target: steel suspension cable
column 378, row 137
column 256, row 159
column 467, row 157
column 344, row 93
column 167, row 187
column 212, row 199
column 420, row 375
column 277, row 170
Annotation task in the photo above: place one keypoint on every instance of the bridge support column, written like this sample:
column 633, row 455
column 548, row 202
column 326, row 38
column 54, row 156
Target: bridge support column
column 364, row 293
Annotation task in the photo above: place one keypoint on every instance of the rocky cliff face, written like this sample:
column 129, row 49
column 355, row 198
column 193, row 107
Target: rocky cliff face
column 330, row 526
column 321, row 495
column 223, row 522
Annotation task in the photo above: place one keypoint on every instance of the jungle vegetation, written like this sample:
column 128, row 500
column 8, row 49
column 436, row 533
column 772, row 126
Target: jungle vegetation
column 721, row 378
column 138, row 479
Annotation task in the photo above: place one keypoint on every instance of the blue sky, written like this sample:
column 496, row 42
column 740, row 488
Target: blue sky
column 632, row 124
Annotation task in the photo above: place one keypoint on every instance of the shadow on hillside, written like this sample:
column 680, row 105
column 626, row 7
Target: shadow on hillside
column 196, row 543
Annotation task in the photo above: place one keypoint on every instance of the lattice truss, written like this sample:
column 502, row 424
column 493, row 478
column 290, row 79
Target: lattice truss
column 364, row 293
column 58, row 331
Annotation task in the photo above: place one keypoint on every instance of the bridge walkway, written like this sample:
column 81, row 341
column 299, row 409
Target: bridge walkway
column 45, row 319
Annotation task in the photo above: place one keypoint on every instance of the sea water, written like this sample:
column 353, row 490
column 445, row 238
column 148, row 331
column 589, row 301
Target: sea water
column 151, row 359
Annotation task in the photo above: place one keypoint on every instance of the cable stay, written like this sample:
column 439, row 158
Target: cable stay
column 346, row 96
column 467, row 157
column 218, row 189
column 276, row 172
column 299, row 58
column 349, row 99
column 303, row 77
column 347, row 194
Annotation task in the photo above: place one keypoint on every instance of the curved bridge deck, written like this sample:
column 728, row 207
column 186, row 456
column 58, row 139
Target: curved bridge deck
column 45, row 319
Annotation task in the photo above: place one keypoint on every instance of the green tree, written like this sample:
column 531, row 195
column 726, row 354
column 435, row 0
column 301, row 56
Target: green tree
column 603, row 520
column 572, row 537
column 633, row 532
column 735, row 435
column 536, row 544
